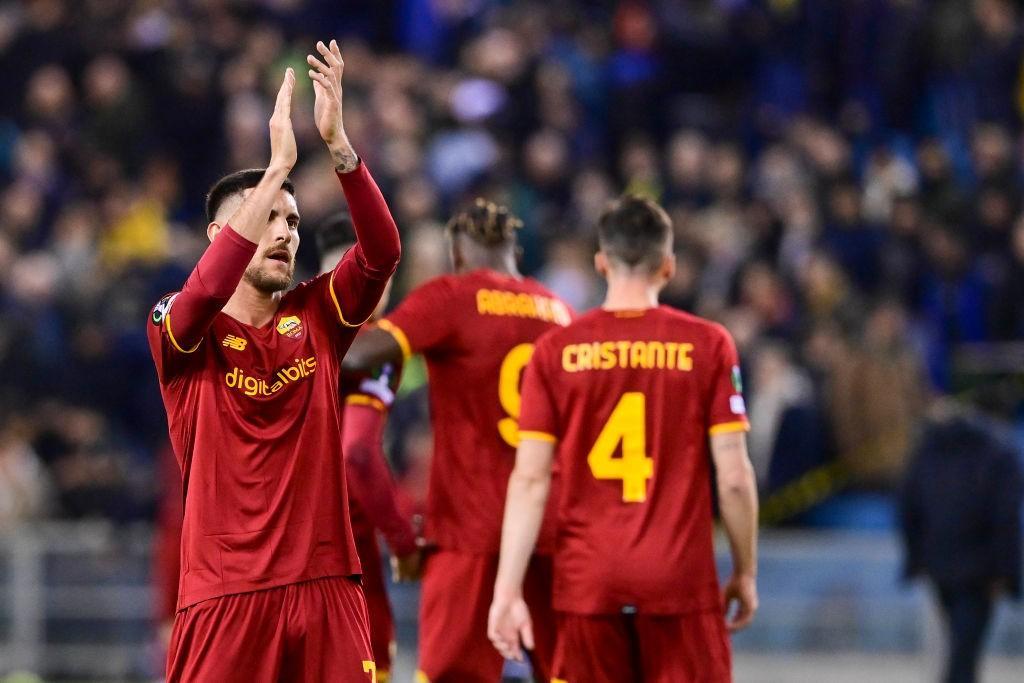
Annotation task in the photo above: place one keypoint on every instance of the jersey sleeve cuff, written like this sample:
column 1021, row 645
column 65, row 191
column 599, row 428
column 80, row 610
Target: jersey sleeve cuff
column 364, row 400
column 396, row 332
column 533, row 435
column 729, row 427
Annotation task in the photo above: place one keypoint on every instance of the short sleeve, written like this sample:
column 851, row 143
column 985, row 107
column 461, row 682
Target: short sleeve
column 422, row 322
column 728, row 411
column 538, row 418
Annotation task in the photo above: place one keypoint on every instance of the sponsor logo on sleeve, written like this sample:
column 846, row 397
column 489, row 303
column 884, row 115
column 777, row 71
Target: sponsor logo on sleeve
column 162, row 308
column 737, row 405
column 290, row 326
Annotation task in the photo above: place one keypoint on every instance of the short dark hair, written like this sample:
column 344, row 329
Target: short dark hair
column 335, row 231
column 487, row 223
column 233, row 183
column 633, row 230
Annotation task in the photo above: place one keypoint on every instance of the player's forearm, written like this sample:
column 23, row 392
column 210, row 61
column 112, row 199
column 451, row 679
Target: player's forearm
column 370, row 478
column 250, row 218
column 737, row 500
column 209, row 286
column 371, row 349
column 524, row 513
column 377, row 239
column 343, row 155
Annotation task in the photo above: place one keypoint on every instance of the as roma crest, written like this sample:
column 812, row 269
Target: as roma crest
column 290, row 326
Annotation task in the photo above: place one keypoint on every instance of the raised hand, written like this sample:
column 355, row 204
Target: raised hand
column 326, row 75
column 283, row 152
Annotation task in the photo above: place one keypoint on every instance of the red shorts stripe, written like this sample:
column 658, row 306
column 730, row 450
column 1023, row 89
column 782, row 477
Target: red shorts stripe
column 310, row 631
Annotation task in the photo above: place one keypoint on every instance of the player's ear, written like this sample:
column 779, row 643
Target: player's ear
column 601, row 264
column 667, row 270
column 212, row 230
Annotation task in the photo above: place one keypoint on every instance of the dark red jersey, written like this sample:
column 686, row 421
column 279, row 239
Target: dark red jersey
column 476, row 332
column 254, row 413
column 630, row 398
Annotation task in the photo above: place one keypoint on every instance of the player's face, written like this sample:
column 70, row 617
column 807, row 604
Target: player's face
column 273, row 265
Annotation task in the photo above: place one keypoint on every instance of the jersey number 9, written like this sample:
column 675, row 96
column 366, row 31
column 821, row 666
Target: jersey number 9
column 509, row 393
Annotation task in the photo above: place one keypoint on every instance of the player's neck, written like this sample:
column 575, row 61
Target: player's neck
column 251, row 306
column 630, row 293
column 505, row 264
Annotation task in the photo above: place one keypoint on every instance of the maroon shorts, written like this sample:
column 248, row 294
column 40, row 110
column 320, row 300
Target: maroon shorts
column 456, row 596
column 310, row 631
column 382, row 624
column 642, row 649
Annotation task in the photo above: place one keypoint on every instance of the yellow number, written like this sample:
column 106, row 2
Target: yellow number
column 508, row 391
column 370, row 668
column 627, row 425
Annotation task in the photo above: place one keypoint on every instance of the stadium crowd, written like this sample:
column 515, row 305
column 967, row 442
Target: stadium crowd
column 843, row 178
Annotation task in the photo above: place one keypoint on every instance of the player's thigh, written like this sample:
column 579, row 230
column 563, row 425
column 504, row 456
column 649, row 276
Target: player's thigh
column 228, row 639
column 537, row 591
column 330, row 615
column 593, row 649
column 687, row 648
column 378, row 606
column 454, row 601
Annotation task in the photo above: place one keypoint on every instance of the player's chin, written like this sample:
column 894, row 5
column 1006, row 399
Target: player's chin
column 273, row 279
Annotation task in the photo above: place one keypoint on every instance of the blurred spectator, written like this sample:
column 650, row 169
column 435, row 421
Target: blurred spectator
column 961, row 518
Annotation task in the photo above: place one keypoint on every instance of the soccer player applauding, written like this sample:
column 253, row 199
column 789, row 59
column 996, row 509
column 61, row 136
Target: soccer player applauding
column 631, row 395
column 249, row 376
column 476, row 330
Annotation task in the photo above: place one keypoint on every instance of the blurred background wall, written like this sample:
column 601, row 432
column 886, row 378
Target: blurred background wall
column 844, row 179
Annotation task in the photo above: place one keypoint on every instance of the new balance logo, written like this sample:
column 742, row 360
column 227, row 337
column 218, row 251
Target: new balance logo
column 233, row 342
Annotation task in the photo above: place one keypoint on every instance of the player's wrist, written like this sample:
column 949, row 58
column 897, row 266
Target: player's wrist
column 343, row 155
column 507, row 592
column 277, row 170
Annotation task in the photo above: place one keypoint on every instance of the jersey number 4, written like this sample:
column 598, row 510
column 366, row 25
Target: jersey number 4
column 626, row 425
column 509, row 393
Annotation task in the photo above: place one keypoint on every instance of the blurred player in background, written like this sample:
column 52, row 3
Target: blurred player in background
column 249, row 376
column 476, row 329
column 631, row 393
column 366, row 399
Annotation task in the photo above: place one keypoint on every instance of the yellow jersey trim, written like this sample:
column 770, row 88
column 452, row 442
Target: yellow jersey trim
column 421, row 677
column 729, row 427
column 364, row 400
column 337, row 306
column 537, row 436
column 396, row 332
column 174, row 342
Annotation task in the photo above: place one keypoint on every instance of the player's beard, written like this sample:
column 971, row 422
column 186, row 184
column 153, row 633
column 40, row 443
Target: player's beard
column 269, row 282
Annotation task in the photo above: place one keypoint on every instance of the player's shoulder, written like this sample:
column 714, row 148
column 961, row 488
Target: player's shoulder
column 578, row 328
column 694, row 324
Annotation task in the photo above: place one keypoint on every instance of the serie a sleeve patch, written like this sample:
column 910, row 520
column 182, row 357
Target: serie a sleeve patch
column 162, row 308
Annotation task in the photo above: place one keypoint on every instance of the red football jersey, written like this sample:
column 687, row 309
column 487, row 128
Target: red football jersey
column 254, row 413
column 476, row 332
column 630, row 398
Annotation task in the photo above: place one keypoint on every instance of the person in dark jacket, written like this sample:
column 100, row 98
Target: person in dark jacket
column 960, row 510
